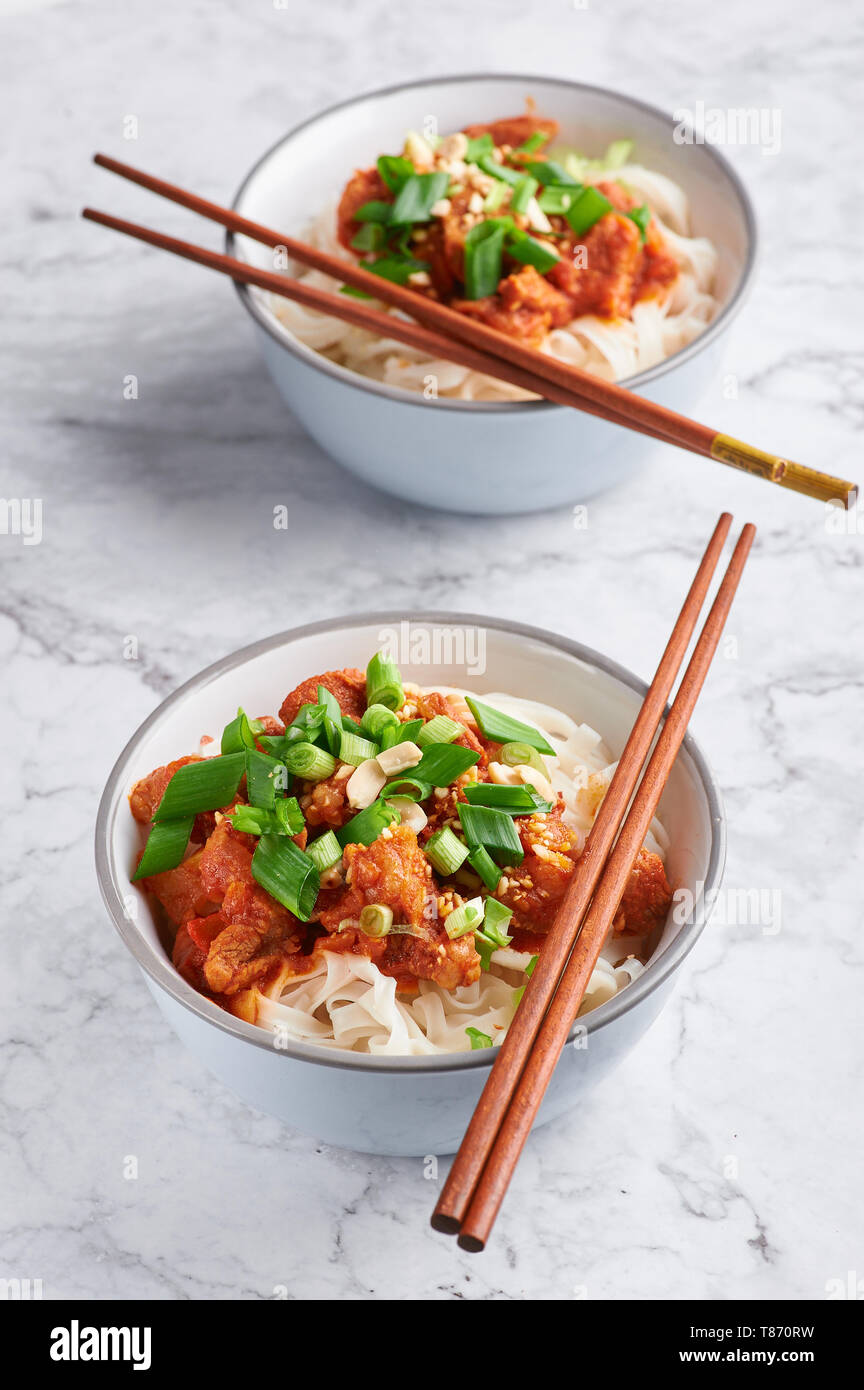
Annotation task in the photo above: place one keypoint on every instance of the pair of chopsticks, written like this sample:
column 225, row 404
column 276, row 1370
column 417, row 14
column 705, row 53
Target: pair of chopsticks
column 493, row 1141
column 443, row 332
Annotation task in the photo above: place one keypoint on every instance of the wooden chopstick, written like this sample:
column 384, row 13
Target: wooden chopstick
column 489, row 1114
column 426, row 340
column 540, row 1060
column 606, row 396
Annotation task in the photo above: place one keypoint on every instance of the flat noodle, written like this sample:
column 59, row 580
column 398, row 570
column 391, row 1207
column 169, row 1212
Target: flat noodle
column 346, row 1002
column 611, row 349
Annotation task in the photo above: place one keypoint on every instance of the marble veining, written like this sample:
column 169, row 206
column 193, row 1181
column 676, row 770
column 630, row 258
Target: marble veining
column 721, row 1160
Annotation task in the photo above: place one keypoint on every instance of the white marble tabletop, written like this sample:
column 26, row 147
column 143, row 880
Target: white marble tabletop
column 722, row 1160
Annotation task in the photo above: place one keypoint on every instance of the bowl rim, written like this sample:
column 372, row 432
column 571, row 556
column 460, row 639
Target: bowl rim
column 270, row 324
column 161, row 971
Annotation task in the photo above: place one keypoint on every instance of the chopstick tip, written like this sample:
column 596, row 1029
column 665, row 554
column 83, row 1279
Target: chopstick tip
column 472, row 1244
column 447, row 1225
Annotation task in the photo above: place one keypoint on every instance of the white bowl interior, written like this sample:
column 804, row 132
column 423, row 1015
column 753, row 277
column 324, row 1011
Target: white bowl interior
column 520, row 665
column 305, row 173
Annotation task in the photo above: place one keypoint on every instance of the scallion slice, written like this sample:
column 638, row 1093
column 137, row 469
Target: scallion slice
column 468, row 917
column 478, row 1040
column 374, row 211
column 501, row 728
column 495, row 197
column 398, row 269
column 352, row 726
column 287, row 874
column 238, row 734
column 496, row 919
column 442, row 763
column 529, row 251
column 529, row 971
column 376, row 920
column 546, row 171
column 515, row 801
column 440, row 729
column 587, row 209
column 445, row 850
column 641, row 216
column 366, row 826
column 205, row 786
column 356, row 750
column 332, row 721
column 285, row 818
column 556, row 200
column 492, row 829
column 166, row 846
column 533, row 142
column 369, row 238
column 262, row 776
column 483, row 864
column 402, row 733
column 394, row 170
column 495, row 170
column 417, row 196
column 324, row 852
column 310, row 762
column 376, row 720
column 484, row 251
column 384, row 683
column 519, row 754
column 523, row 192
column 479, row 145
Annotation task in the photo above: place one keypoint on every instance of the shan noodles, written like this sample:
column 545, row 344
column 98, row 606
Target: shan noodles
column 376, row 869
column 590, row 260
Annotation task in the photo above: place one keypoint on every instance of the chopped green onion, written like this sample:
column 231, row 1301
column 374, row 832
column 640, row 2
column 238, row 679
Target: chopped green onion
column 285, row 818
column 442, row 763
column 376, row 720
column 496, row 196
column 369, row 238
column 516, row 801
column 617, row 154
column 587, row 209
column 479, row 145
column 352, row 726
column 417, row 196
column 374, row 211
column 324, row 852
column 166, row 846
column 485, row 948
column 533, row 142
column 501, row 728
column 376, row 919
column 529, row 971
column 494, row 830
column 366, row 826
column 397, row 269
column 546, row 171
column 237, row 735
column 356, row 750
column 478, row 1040
column 384, row 683
column 445, row 850
column 205, row 786
column 523, row 192
column 463, row 919
column 332, row 721
column 484, row 251
column 403, row 733
column 262, row 774
column 394, row 170
column 641, row 216
column 440, row 729
column 523, row 755
column 483, row 864
column 287, row 874
column 496, row 919
column 557, row 200
column 495, row 170
column 308, row 724
column 529, row 251
column 310, row 762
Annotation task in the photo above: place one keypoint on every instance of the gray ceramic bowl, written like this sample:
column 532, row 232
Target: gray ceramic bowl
column 401, row 1105
column 481, row 457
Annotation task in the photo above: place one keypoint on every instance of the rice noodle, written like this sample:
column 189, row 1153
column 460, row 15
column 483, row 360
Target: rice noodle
column 346, row 1002
column 611, row 349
